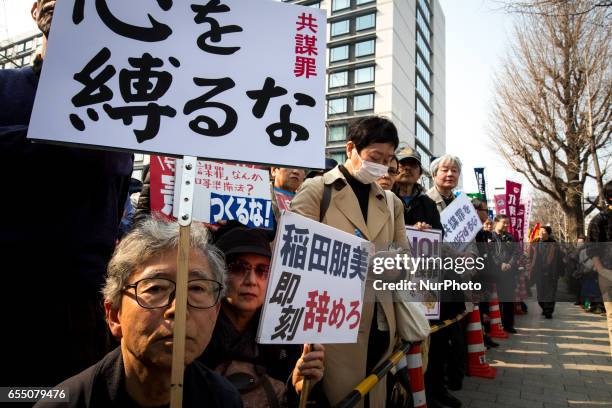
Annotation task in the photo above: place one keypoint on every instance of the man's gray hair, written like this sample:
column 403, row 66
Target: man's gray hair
column 149, row 239
column 447, row 158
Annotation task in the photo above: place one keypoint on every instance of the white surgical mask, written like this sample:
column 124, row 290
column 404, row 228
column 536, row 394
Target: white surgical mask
column 369, row 171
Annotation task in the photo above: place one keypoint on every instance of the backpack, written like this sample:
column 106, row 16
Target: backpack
column 257, row 389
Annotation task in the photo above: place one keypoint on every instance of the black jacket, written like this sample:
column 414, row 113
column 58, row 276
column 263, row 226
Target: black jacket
column 600, row 232
column 279, row 360
column 103, row 385
column 421, row 209
column 64, row 203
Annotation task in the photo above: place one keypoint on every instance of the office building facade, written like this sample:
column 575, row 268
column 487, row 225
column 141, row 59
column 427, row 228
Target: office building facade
column 386, row 57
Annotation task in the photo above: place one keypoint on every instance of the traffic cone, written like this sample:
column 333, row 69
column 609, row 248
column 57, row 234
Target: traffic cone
column 415, row 372
column 477, row 362
column 496, row 327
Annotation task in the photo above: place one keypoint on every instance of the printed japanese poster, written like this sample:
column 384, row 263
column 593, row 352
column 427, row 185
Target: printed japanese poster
column 315, row 288
column 426, row 243
column 222, row 191
column 231, row 80
column 460, row 221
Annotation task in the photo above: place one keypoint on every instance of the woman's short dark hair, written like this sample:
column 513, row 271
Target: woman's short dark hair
column 548, row 229
column 372, row 129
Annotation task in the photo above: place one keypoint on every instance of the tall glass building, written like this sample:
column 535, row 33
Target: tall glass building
column 386, row 57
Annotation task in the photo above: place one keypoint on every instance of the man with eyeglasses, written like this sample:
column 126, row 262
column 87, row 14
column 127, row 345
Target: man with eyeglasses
column 139, row 302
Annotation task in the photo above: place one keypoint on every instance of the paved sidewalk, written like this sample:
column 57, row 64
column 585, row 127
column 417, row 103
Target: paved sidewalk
column 562, row 362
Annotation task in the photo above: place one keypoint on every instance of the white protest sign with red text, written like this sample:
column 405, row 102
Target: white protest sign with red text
column 315, row 287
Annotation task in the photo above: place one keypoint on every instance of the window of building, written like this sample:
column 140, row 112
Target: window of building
column 340, row 4
column 26, row 60
column 422, row 90
column 423, row 69
column 339, row 28
column 339, row 156
column 364, row 48
column 336, row 106
column 336, row 133
column 29, row 44
column 339, row 53
column 425, row 156
column 423, row 26
column 423, row 47
column 422, row 135
column 365, row 22
column 315, row 5
column 363, row 102
column 425, row 8
column 337, row 79
column 360, row 2
column 364, row 75
column 423, row 113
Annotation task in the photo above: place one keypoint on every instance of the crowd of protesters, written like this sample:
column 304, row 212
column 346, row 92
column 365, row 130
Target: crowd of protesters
column 97, row 294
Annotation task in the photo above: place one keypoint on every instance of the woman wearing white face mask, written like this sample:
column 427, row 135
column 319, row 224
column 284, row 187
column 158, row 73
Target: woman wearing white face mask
column 348, row 198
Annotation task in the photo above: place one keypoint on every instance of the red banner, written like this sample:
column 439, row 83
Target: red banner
column 513, row 198
column 500, row 204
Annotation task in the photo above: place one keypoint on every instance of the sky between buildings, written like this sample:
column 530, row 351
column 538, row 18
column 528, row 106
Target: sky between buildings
column 477, row 37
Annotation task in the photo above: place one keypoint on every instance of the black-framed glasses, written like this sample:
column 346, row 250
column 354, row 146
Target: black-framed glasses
column 155, row 293
column 392, row 171
column 483, row 209
column 240, row 269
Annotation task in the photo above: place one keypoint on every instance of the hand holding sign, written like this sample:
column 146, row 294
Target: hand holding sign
column 310, row 365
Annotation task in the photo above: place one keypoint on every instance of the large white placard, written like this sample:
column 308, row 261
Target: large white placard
column 233, row 80
column 460, row 221
column 315, row 288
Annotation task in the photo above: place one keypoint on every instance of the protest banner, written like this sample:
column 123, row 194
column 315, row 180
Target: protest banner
column 226, row 191
column 316, row 283
column 460, row 222
column 426, row 243
column 283, row 198
column 520, row 222
column 162, row 176
column 500, row 204
column 528, row 203
column 480, row 181
column 513, row 198
column 171, row 79
column 223, row 191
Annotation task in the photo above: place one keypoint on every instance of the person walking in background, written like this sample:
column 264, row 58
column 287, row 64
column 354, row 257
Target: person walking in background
column 546, row 267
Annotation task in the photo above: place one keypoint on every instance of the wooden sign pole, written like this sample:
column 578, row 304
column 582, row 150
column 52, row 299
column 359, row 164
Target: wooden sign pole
column 305, row 387
column 180, row 313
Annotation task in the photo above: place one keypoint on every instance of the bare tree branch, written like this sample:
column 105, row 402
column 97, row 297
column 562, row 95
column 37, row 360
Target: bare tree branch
column 539, row 120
